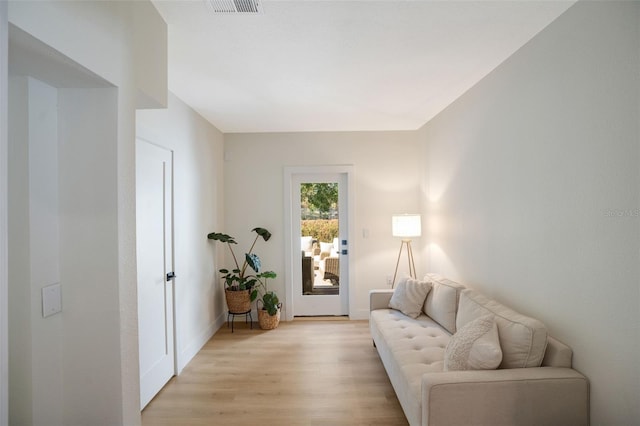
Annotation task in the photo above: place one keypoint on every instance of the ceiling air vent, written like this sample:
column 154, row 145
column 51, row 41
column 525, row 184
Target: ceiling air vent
column 235, row 6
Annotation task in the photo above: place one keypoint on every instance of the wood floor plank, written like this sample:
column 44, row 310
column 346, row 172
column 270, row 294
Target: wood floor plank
column 307, row 373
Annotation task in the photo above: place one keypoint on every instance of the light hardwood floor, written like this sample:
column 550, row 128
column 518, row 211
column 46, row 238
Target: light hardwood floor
column 305, row 372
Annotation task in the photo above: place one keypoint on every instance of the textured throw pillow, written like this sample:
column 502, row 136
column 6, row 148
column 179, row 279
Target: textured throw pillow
column 408, row 296
column 475, row 346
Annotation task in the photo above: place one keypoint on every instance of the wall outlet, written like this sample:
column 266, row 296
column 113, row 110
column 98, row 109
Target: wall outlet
column 389, row 283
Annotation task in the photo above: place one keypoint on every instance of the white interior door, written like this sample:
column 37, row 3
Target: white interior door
column 155, row 260
column 322, row 296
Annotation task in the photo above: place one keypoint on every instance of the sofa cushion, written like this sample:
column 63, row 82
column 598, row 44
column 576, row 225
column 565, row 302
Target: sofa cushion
column 326, row 247
column 475, row 346
column 408, row 348
column 306, row 243
column 409, row 295
column 441, row 304
column 523, row 339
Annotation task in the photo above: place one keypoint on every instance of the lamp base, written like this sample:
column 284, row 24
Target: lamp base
column 412, row 264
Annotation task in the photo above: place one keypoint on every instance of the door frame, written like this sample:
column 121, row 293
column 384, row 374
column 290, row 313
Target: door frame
column 289, row 205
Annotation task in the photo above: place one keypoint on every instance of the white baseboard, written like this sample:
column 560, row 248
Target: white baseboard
column 192, row 349
column 361, row 314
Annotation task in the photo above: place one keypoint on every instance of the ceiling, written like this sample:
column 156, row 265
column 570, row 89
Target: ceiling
column 340, row 65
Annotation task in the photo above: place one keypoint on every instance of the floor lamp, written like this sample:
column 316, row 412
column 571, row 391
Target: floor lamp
column 405, row 226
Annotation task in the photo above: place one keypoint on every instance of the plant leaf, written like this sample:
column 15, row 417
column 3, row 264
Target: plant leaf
column 263, row 233
column 253, row 261
column 268, row 274
column 218, row 236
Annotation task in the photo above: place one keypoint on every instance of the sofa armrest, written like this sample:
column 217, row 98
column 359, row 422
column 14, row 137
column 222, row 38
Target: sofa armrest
column 379, row 299
column 519, row 396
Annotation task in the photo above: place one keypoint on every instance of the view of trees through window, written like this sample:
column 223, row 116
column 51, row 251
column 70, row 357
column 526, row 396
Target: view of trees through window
column 319, row 200
column 319, row 210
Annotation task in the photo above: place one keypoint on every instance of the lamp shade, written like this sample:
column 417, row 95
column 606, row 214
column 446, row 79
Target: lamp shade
column 406, row 225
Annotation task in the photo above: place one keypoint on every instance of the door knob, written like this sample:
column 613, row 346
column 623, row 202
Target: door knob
column 171, row 276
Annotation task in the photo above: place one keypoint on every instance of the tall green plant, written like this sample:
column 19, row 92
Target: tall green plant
column 239, row 278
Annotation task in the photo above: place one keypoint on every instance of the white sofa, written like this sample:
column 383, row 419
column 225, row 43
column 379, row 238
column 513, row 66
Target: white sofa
column 534, row 383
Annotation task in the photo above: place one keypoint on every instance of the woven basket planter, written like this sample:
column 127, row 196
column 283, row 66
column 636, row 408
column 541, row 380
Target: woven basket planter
column 268, row 322
column 238, row 302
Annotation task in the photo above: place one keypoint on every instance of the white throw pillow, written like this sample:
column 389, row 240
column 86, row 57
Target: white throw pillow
column 475, row 346
column 409, row 295
column 306, row 243
column 326, row 247
column 442, row 302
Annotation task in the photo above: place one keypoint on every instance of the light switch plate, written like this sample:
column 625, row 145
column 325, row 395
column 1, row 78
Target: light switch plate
column 51, row 300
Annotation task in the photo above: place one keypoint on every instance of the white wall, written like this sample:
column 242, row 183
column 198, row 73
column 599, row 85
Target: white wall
column 89, row 244
column 151, row 55
column 63, row 221
column 100, row 367
column 44, row 243
column 386, row 182
column 36, row 349
column 4, row 305
column 532, row 184
column 20, row 347
column 198, row 178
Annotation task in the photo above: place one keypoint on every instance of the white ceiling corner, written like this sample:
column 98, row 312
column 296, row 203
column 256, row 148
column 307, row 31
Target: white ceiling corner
column 340, row 65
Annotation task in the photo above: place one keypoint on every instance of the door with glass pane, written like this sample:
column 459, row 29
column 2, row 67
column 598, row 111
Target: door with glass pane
column 320, row 244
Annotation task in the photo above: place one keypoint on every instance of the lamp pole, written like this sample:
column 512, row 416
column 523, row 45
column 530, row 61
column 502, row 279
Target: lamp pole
column 405, row 225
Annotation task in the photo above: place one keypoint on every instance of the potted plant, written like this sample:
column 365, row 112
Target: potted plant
column 239, row 282
column 269, row 312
